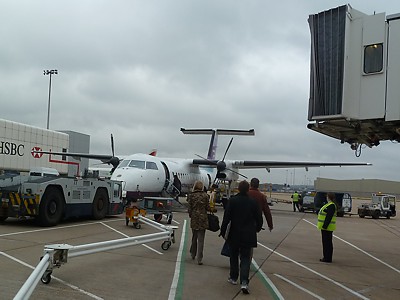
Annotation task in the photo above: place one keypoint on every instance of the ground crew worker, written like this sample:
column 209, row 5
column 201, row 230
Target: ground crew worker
column 327, row 224
column 295, row 198
column 213, row 197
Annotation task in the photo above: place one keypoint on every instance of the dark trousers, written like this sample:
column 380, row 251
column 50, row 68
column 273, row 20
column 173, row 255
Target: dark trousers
column 245, row 254
column 197, row 246
column 327, row 244
column 296, row 204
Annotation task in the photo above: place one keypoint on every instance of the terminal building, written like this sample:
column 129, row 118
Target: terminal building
column 358, row 187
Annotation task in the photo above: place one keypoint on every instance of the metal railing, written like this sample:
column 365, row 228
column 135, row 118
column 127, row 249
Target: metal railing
column 57, row 254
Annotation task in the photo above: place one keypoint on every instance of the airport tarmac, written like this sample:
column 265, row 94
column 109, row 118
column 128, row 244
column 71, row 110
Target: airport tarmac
column 286, row 264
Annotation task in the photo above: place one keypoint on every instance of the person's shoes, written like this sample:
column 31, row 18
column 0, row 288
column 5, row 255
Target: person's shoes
column 199, row 263
column 245, row 288
column 193, row 257
column 324, row 260
column 232, row 281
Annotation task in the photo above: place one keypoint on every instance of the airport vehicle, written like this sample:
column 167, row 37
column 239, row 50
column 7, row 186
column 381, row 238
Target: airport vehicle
column 343, row 201
column 34, row 186
column 152, row 176
column 307, row 200
column 50, row 199
column 381, row 205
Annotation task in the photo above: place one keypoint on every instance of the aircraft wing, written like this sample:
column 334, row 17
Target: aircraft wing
column 258, row 164
column 102, row 157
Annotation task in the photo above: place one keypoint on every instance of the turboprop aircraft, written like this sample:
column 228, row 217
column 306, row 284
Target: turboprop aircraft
column 148, row 175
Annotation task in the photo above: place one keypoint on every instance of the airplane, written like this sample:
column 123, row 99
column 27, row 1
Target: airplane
column 146, row 175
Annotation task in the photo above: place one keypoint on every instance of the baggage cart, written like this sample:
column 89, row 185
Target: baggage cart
column 158, row 206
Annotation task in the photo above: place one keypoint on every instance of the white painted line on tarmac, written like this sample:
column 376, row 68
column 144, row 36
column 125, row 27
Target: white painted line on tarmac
column 299, row 287
column 55, row 228
column 74, row 287
column 125, row 235
column 269, row 282
column 175, row 280
column 315, row 272
column 361, row 250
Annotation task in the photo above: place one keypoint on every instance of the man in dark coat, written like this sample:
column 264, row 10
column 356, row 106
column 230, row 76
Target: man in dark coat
column 245, row 219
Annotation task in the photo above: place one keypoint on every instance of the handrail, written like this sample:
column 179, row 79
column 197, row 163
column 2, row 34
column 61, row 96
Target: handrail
column 57, row 254
column 29, row 286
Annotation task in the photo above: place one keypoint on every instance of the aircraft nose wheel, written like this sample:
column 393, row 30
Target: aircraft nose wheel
column 165, row 245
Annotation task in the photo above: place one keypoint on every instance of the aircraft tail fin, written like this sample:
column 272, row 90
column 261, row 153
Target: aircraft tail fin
column 214, row 137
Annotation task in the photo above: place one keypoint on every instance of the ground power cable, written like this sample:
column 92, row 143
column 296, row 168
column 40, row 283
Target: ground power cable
column 257, row 270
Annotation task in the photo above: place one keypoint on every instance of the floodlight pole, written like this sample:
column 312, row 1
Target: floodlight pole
column 49, row 72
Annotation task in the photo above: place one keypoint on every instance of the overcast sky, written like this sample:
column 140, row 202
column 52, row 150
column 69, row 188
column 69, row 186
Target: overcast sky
column 141, row 70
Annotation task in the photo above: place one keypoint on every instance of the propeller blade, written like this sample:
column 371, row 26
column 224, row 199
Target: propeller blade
column 226, row 151
column 236, row 173
column 112, row 145
column 211, row 162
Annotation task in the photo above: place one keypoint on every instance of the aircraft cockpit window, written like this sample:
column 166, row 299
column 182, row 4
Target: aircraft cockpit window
column 151, row 165
column 123, row 164
column 137, row 164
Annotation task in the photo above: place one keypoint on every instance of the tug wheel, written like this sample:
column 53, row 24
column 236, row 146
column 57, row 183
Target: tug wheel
column 158, row 217
column 137, row 226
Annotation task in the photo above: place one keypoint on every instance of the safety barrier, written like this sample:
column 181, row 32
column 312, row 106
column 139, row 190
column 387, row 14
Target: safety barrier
column 58, row 254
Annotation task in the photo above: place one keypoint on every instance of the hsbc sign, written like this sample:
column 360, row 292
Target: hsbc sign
column 10, row 148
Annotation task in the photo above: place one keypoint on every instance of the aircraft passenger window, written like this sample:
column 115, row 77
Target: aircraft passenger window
column 137, row 164
column 123, row 164
column 151, row 165
column 373, row 58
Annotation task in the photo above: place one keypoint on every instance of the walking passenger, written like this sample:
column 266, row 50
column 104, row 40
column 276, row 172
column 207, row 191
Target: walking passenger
column 198, row 207
column 244, row 216
column 261, row 199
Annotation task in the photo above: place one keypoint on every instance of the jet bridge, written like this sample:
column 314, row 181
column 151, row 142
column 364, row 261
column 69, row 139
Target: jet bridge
column 354, row 76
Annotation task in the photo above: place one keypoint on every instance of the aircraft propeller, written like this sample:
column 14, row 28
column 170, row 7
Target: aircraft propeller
column 221, row 165
column 114, row 160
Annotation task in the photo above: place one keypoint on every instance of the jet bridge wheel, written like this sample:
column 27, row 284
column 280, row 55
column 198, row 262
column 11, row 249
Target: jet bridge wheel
column 100, row 204
column 51, row 207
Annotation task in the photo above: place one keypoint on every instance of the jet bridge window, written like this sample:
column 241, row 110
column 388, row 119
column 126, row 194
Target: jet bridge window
column 373, row 58
column 151, row 165
column 140, row 164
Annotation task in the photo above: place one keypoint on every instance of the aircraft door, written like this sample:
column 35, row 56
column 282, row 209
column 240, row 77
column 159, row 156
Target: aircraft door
column 172, row 185
column 167, row 176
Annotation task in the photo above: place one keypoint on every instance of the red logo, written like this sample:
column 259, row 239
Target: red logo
column 35, row 154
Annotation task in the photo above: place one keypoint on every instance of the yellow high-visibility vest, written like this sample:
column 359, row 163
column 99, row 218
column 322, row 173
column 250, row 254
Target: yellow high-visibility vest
column 322, row 216
column 295, row 197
